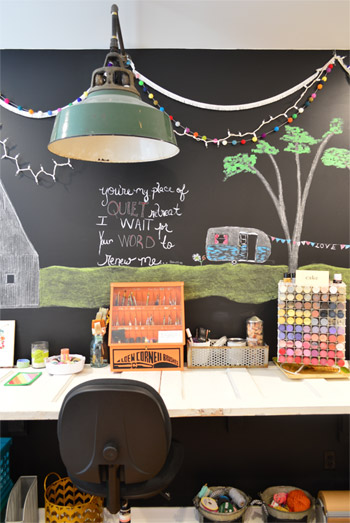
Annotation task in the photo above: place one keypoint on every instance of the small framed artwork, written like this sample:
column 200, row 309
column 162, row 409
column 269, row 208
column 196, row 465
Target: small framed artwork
column 7, row 343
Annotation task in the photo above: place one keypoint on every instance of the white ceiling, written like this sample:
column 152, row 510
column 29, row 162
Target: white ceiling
column 178, row 24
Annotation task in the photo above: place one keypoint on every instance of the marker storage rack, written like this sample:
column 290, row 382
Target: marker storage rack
column 224, row 357
column 311, row 324
column 146, row 325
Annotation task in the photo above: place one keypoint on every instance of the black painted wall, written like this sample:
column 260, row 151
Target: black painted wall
column 60, row 220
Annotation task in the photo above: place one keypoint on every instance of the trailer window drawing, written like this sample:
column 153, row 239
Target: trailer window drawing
column 237, row 244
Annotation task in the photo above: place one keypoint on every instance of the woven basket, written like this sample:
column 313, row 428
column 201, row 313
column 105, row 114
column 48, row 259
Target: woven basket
column 267, row 497
column 64, row 502
column 216, row 516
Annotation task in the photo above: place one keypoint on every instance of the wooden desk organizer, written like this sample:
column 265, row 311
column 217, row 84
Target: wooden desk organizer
column 147, row 326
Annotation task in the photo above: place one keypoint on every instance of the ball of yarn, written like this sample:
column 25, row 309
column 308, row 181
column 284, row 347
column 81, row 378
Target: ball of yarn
column 297, row 501
column 280, row 497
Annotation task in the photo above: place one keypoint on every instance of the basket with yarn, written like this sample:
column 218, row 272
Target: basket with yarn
column 221, row 503
column 286, row 502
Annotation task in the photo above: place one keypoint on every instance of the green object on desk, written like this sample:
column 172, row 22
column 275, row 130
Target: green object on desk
column 23, row 378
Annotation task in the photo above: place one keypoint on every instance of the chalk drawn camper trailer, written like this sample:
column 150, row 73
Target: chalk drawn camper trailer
column 237, row 244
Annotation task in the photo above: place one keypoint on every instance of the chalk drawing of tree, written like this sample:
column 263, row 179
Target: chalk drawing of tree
column 299, row 142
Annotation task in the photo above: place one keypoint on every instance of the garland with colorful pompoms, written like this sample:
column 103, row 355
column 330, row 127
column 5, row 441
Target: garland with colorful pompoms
column 251, row 136
column 319, row 78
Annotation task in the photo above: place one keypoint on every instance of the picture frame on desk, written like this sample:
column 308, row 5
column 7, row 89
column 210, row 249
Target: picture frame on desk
column 7, row 343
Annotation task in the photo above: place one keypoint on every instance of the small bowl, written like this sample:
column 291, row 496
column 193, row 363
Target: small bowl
column 267, row 497
column 216, row 516
column 54, row 366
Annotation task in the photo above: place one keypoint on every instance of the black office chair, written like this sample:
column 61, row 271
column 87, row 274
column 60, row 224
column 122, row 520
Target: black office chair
column 115, row 440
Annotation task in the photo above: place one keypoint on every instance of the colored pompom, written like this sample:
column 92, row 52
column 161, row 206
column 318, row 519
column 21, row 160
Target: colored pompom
column 297, row 501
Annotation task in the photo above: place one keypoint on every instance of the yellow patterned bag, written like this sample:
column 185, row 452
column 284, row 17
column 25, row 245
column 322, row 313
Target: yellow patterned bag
column 66, row 503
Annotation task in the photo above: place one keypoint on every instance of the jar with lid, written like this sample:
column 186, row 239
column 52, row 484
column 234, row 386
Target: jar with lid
column 255, row 335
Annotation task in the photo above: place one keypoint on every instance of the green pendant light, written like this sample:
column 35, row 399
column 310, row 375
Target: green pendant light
column 113, row 124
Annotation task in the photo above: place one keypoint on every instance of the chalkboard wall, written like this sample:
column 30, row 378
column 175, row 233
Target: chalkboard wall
column 97, row 216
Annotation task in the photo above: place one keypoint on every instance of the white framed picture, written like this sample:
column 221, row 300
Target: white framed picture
column 7, row 343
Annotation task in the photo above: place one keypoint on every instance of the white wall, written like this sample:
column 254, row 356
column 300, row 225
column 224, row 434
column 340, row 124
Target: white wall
column 179, row 24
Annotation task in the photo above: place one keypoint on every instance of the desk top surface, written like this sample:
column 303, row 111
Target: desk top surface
column 188, row 393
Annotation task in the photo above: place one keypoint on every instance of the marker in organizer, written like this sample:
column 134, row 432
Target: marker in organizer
column 189, row 335
column 64, row 355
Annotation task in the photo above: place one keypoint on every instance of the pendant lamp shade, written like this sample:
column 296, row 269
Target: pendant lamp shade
column 113, row 124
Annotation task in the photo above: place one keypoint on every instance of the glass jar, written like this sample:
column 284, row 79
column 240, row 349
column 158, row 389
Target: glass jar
column 98, row 352
column 39, row 353
column 255, row 335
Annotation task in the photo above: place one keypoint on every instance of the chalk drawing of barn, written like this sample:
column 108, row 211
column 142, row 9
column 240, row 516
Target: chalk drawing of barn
column 237, row 244
column 19, row 261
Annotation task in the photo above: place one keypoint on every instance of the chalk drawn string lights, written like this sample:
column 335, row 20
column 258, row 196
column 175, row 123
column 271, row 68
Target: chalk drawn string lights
column 318, row 79
column 28, row 169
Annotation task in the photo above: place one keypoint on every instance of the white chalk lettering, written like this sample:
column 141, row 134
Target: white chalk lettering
column 140, row 225
column 182, row 192
column 138, row 218
column 102, row 222
column 103, row 241
column 167, row 245
column 162, row 227
column 159, row 189
column 158, row 212
column 122, row 191
column 110, row 261
column 150, row 262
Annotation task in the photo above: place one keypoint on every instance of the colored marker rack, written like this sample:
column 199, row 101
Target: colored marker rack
column 147, row 326
column 311, row 324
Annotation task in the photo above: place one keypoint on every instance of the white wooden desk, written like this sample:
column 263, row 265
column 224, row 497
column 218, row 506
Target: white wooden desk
column 189, row 393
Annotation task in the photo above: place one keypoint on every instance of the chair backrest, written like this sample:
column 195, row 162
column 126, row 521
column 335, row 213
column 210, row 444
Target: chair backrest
column 113, row 433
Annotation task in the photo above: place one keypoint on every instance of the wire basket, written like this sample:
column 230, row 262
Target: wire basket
column 226, row 357
column 65, row 502
column 5, row 480
column 267, row 497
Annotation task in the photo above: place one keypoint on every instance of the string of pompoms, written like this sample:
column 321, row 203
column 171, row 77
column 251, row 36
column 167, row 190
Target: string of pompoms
column 320, row 77
column 251, row 136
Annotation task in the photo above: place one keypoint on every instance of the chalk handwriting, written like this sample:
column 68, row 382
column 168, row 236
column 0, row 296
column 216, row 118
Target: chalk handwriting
column 103, row 241
column 162, row 227
column 110, row 261
column 137, row 220
column 122, row 191
column 158, row 212
column 102, row 218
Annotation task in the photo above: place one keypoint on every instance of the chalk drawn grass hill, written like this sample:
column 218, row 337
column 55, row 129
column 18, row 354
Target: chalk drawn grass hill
column 90, row 287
